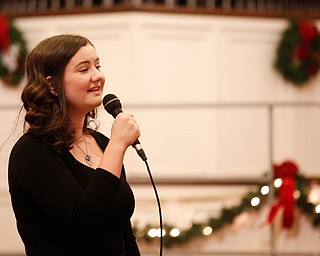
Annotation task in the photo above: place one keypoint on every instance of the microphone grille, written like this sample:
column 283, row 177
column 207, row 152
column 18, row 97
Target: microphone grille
column 111, row 102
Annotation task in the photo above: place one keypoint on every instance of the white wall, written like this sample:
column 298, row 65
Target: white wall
column 170, row 70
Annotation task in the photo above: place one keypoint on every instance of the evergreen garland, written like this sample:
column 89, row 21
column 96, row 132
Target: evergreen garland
column 228, row 215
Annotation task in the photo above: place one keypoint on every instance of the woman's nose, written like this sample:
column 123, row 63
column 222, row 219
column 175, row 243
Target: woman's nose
column 97, row 75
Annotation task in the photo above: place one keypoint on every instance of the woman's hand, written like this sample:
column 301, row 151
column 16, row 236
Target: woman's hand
column 125, row 130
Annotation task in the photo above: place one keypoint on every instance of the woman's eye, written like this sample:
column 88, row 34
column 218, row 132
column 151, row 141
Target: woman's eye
column 98, row 67
column 83, row 70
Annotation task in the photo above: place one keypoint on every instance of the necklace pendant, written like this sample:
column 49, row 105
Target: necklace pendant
column 88, row 159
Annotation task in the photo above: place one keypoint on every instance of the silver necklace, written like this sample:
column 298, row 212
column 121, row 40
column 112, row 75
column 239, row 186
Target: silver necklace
column 87, row 157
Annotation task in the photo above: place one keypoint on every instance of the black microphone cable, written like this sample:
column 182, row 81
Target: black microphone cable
column 159, row 205
column 113, row 106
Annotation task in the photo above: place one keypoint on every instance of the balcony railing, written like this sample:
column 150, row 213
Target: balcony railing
column 265, row 8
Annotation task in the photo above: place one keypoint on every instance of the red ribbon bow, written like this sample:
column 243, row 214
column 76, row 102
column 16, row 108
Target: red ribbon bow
column 4, row 33
column 308, row 31
column 287, row 172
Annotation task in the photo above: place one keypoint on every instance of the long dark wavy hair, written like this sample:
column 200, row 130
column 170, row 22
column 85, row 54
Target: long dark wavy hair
column 47, row 114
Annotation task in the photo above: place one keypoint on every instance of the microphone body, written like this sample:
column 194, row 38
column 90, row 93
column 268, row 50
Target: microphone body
column 113, row 106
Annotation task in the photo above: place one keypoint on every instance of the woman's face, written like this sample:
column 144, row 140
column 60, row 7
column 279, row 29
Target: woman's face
column 83, row 81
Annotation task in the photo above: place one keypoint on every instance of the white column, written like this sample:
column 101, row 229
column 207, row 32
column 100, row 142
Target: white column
column 87, row 3
column 107, row 3
column 32, row 5
column 70, row 4
column 55, row 4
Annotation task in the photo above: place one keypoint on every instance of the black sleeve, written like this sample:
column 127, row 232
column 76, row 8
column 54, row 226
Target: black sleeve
column 130, row 241
column 37, row 172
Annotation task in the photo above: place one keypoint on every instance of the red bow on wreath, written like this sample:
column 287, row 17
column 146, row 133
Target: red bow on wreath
column 286, row 172
column 308, row 33
column 4, row 33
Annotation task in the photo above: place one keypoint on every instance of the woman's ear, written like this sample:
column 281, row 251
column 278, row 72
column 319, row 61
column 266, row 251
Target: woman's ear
column 51, row 87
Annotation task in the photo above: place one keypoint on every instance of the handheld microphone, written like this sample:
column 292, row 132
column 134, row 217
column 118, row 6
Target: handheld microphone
column 113, row 106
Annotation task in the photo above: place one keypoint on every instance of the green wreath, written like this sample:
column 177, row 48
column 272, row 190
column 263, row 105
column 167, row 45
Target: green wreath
column 298, row 52
column 13, row 52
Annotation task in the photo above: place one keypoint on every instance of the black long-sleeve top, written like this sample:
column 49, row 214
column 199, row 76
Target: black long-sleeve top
column 64, row 208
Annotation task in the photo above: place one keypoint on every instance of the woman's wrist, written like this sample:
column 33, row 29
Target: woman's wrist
column 112, row 158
